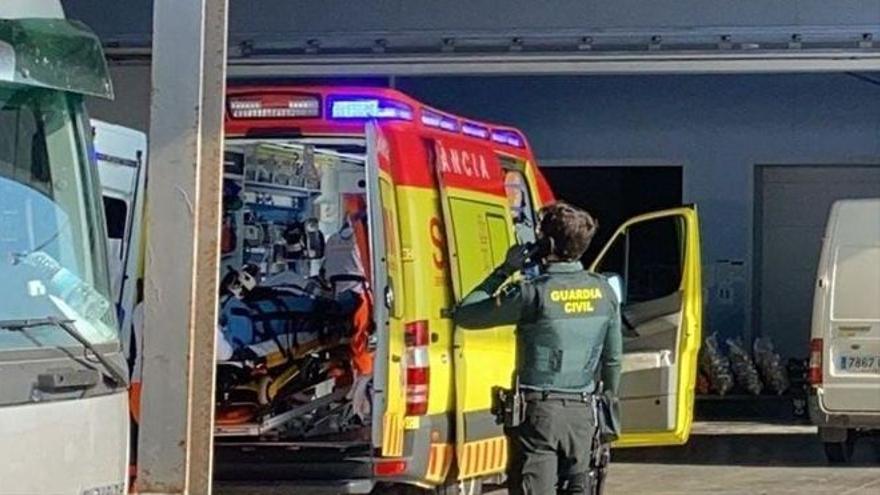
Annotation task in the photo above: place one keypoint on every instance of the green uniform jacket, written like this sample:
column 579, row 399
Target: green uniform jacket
column 567, row 326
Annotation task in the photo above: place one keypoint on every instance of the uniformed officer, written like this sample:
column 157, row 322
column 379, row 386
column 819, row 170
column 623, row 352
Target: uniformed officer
column 567, row 334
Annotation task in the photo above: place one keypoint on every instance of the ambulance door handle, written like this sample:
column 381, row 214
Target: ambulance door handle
column 389, row 297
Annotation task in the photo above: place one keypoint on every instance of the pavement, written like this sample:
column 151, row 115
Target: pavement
column 740, row 457
column 721, row 458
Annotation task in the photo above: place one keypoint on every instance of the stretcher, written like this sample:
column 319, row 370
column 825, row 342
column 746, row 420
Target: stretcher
column 294, row 381
column 271, row 424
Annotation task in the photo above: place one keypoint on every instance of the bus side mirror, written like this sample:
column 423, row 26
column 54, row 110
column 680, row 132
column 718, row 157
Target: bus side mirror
column 617, row 285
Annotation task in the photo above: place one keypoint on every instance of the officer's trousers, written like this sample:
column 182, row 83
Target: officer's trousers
column 550, row 451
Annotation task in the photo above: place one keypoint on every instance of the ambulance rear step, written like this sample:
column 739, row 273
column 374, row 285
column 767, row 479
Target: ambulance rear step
column 294, row 487
column 346, row 467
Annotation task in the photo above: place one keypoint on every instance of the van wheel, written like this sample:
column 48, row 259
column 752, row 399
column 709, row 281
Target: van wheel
column 472, row 486
column 841, row 452
column 467, row 487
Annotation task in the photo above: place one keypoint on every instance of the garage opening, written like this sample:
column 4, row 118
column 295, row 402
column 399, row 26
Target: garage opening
column 614, row 194
column 791, row 208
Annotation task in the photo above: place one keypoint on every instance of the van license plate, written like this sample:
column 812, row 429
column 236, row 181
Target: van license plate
column 860, row 364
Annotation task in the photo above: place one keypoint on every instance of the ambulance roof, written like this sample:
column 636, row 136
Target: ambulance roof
column 343, row 110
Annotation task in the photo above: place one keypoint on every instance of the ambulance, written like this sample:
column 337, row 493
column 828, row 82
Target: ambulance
column 445, row 197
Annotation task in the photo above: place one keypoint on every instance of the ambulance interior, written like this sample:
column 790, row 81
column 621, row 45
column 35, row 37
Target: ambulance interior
column 295, row 331
column 649, row 259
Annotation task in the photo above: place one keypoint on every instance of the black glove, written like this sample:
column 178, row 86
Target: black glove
column 515, row 259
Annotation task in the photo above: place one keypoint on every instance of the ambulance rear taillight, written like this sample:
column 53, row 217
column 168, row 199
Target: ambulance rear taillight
column 418, row 371
column 814, row 373
column 275, row 106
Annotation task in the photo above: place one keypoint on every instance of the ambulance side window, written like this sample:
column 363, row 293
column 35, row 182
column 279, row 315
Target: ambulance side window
column 521, row 208
column 649, row 257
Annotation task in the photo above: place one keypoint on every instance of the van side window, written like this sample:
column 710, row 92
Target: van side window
column 521, row 208
column 856, row 288
column 115, row 210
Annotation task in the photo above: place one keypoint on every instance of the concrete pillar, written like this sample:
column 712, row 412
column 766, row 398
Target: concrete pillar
column 183, row 229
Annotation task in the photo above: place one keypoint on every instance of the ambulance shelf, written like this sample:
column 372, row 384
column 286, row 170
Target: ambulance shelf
column 268, row 187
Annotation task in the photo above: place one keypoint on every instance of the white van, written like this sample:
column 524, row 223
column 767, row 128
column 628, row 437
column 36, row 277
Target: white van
column 845, row 347
column 120, row 153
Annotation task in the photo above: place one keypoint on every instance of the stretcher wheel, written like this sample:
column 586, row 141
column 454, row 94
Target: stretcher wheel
column 471, row 486
column 235, row 415
column 263, row 385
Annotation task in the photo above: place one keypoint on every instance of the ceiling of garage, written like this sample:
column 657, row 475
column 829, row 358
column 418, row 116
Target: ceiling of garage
column 522, row 36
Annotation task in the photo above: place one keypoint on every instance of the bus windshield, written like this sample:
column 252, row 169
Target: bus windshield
column 52, row 249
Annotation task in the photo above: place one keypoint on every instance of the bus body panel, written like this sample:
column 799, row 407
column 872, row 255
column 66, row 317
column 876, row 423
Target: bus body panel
column 65, row 447
column 22, row 9
column 55, row 438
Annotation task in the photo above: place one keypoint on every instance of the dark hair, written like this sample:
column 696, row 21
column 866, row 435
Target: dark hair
column 569, row 228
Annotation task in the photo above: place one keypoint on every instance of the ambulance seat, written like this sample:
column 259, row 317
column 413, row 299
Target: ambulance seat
column 648, row 371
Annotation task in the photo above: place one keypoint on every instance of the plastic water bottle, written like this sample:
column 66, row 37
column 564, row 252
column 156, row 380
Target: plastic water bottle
column 70, row 288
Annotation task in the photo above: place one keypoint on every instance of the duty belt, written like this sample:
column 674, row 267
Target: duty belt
column 547, row 395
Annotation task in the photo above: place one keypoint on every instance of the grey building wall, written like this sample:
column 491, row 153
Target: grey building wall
column 717, row 127
column 131, row 105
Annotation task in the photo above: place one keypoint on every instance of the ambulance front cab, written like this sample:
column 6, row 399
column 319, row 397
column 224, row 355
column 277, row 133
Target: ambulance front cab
column 446, row 196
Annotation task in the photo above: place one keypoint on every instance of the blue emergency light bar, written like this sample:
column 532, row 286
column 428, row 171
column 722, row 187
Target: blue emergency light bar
column 354, row 107
column 475, row 130
column 509, row 138
column 367, row 107
column 434, row 119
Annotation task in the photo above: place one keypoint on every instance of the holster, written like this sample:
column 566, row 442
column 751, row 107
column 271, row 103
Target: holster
column 508, row 406
column 606, row 409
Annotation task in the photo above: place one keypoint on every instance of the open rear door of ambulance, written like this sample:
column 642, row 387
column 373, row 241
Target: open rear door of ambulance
column 657, row 259
column 389, row 401
column 479, row 230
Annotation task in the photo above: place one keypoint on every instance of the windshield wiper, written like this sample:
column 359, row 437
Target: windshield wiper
column 112, row 372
